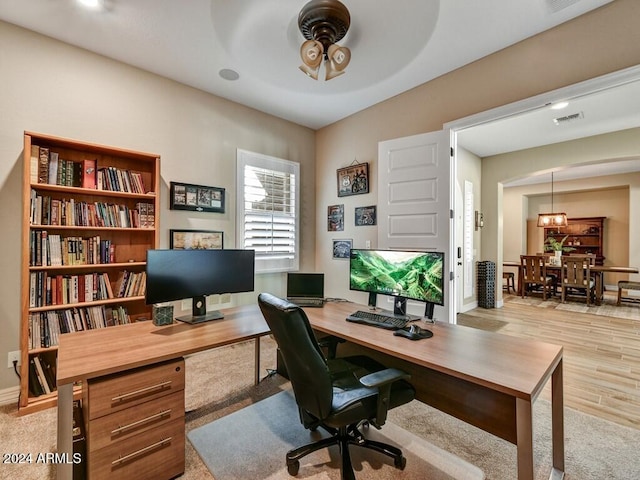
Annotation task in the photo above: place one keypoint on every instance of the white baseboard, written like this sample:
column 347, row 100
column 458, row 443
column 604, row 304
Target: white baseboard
column 468, row 306
column 9, row 395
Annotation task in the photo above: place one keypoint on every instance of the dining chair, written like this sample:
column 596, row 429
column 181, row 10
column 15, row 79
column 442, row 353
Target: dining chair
column 576, row 275
column 534, row 273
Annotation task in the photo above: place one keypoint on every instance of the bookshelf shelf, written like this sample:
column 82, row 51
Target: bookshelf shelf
column 585, row 235
column 90, row 214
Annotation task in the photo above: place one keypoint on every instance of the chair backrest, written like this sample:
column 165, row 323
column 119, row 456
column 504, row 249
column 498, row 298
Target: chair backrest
column 305, row 363
column 576, row 271
column 533, row 268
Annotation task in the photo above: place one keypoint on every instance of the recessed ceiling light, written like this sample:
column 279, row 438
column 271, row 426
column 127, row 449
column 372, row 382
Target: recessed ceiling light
column 94, row 4
column 229, row 74
column 559, row 105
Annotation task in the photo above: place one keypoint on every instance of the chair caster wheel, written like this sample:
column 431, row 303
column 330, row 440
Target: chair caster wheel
column 400, row 463
column 294, row 466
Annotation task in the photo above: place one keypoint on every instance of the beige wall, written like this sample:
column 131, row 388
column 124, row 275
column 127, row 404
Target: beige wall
column 53, row 88
column 597, row 43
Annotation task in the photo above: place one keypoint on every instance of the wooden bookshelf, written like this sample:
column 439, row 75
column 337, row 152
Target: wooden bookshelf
column 90, row 213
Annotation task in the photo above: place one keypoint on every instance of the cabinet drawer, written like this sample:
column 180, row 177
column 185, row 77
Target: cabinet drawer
column 123, row 390
column 156, row 453
column 124, row 424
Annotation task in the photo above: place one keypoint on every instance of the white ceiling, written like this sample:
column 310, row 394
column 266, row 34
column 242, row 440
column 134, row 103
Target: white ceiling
column 395, row 45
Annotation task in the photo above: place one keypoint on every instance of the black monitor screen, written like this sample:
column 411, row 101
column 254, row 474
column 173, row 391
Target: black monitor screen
column 305, row 285
column 179, row 274
column 410, row 275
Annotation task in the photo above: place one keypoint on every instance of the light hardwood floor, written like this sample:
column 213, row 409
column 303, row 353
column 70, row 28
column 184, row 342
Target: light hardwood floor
column 601, row 354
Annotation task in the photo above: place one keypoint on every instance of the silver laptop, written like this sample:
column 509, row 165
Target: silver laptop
column 306, row 289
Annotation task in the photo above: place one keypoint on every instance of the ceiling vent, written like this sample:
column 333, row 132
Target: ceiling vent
column 568, row 118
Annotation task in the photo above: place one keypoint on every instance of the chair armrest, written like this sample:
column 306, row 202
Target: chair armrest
column 383, row 377
column 383, row 380
column 330, row 342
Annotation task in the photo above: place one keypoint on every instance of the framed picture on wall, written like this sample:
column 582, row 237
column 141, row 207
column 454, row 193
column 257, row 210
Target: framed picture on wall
column 366, row 216
column 335, row 218
column 353, row 180
column 342, row 248
column 196, row 240
column 197, row 198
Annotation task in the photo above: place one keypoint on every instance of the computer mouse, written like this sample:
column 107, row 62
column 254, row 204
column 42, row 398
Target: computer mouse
column 415, row 329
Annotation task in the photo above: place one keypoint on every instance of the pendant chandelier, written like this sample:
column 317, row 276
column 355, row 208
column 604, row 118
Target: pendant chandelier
column 323, row 23
column 553, row 219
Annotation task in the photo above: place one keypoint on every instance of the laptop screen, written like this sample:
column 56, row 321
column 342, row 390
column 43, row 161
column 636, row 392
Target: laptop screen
column 309, row 285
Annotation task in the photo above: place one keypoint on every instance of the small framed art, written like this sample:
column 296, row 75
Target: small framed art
column 366, row 216
column 353, row 180
column 197, row 198
column 342, row 248
column 196, row 240
column 335, row 218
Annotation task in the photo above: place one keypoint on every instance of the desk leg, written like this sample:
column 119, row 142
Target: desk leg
column 257, row 362
column 65, row 433
column 557, row 423
column 524, row 434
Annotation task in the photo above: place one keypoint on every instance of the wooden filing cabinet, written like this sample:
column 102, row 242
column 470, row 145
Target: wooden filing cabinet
column 135, row 423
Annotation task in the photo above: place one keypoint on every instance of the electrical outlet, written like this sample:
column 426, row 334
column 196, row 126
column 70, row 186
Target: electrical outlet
column 367, row 244
column 13, row 356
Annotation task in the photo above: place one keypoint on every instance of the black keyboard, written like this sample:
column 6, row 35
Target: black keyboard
column 379, row 320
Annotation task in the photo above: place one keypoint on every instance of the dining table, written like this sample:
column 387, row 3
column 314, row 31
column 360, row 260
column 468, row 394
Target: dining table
column 597, row 271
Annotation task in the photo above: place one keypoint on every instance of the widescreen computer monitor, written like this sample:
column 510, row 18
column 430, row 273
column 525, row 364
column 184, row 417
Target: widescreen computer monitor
column 179, row 274
column 405, row 275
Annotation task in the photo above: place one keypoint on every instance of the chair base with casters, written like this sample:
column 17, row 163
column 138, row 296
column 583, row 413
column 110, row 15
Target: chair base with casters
column 340, row 395
column 344, row 437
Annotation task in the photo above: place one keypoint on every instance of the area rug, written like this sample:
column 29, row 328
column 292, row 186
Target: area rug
column 251, row 443
column 607, row 309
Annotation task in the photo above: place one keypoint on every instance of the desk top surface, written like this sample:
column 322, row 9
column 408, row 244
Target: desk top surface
column 519, row 367
column 94, row 353
column 516, row 366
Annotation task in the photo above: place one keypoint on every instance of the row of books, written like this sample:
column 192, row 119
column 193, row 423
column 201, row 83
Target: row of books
column 118, row 180
column 46, row 289
column 48, row 167
column 50, row 249
column 45, row 328
column 42, row 376
column 46, row 210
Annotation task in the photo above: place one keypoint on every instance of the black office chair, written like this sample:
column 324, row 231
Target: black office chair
column 338, row 394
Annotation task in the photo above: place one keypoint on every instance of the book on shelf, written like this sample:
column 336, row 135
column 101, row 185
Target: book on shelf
column 43, row 165
column 35, row 387
column 53, row 168
column 40, row 373
column 89, row 173
column 34, row 162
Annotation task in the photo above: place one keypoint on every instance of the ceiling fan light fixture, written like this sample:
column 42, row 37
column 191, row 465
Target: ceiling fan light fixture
column 323, row 23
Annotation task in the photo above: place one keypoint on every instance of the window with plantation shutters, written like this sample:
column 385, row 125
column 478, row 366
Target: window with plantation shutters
column 268, row 210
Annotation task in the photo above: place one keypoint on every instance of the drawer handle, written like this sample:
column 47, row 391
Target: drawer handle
column 124, row 396
column 142, row 451
column 140, row 422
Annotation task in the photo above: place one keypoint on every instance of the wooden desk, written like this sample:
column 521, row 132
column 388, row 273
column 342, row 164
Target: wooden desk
column 486, row 379
column 597, row 270
column 87, row 355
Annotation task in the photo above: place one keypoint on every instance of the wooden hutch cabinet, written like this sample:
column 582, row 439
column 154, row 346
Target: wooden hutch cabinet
column 584, row 234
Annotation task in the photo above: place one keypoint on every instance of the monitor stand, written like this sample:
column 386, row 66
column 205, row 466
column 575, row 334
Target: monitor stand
column 199, row 312
column 428, row 311
column 399, row 306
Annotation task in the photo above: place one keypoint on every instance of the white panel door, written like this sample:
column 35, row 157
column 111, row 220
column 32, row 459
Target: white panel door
column 414, row 200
